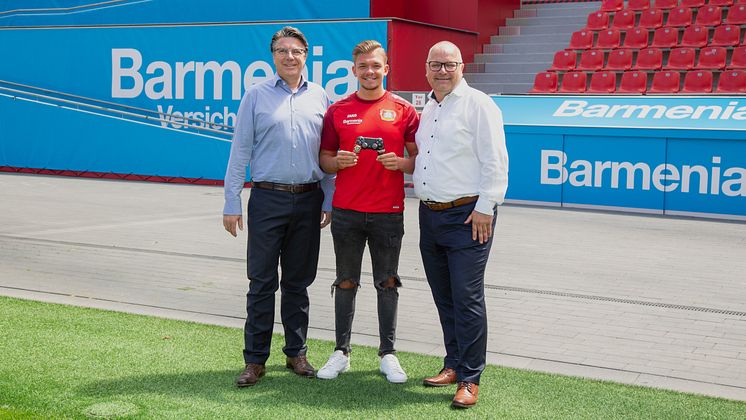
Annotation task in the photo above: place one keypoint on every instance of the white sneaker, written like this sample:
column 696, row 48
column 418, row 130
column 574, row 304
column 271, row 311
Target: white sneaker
column 336, row 364
column 392, row 369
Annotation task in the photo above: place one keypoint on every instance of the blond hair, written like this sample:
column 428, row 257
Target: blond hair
column 366, row 47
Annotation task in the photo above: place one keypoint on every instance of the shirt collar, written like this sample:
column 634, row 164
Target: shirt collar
column 459, row 90
column 277, row 81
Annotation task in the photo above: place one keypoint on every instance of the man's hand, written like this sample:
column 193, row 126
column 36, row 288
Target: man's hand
column 481, row 226
column 230, row 221
column 326, row 218
column 345, row 159
column 389, row 161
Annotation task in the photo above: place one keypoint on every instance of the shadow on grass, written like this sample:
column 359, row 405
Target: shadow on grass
column 280, row 387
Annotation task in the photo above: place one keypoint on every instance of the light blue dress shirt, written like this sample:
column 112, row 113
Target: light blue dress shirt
column 278, row 134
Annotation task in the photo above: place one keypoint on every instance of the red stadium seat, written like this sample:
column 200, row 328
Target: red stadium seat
column 574, row 82
column 636, row 38
column 666, row 38
column 738, row 59
column 666, row 4
column 698, row 81
column 624, row 19
column 736, row 15
column 665, row 82
column 639, row 5
column 680, row 59
column 709, row 16
column 732, row 81
column 564, row 61
column 597, row 21
column 581, row 40
column 681, row 16
column 603, row 82
column 649, row 59
column 609, row 39
column 695, row 36
column 545, row 82
column 692, row 3
column 651, row 19
column 712, row 58
column 619, row 60
column 591, row 60
column 721, row 2
column 633, row 82
column 612, row 5
column 726, row 36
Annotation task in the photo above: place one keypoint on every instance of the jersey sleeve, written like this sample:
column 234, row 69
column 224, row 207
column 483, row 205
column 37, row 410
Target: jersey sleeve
column 329, row 136
column 411, row 123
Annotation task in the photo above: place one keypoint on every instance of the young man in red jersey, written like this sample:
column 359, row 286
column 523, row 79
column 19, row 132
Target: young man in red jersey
column 363, row 142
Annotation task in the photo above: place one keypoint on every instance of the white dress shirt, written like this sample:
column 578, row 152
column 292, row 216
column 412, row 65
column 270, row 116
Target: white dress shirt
column 462, row 150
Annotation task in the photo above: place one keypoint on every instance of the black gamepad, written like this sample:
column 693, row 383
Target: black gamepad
column 373, row 143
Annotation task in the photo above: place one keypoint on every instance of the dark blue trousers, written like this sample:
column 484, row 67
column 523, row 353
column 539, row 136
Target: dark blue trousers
column 282, row 228
column 454, row 266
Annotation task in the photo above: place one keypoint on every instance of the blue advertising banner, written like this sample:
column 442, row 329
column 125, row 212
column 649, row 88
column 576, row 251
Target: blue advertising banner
column 187, row 71
column 669, row 112
column 650, row 171
column 120, row 12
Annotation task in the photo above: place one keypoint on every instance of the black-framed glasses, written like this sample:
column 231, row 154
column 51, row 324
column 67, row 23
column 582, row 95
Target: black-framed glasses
column 293, row 51
column 450, row 66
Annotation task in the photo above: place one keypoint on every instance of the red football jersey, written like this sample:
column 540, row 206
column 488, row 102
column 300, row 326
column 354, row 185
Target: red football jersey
column 368, row 186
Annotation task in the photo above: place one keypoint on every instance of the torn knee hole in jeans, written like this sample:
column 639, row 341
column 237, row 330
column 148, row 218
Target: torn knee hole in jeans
column 392, row 282
column 346, row 284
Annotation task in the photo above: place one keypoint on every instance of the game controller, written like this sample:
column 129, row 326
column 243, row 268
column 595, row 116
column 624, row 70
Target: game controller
column 373, row 143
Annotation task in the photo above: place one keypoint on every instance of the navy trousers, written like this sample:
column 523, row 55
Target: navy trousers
column 282, row 228
column 454, row 266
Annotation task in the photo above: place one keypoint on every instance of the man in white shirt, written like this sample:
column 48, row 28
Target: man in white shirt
column 460, row 176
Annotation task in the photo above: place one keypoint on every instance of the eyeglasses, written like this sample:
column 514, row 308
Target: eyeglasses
column 293, row 51
column 450, row 66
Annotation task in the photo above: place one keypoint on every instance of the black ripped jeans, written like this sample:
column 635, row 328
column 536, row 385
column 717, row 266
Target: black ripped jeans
column 383, row 233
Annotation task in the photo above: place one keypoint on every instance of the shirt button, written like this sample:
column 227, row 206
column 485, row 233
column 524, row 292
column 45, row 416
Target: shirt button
column 431, row 136
column 424, row 183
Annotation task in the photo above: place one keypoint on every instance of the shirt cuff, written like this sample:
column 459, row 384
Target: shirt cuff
column 485, row 206
column 232, row 207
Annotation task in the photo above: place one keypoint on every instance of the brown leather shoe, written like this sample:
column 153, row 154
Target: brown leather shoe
column 250, row 375
column 447, row 376
column 300, row 366
column 466, row 395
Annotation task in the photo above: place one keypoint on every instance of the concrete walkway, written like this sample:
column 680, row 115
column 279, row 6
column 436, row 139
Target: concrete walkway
column 635, row 299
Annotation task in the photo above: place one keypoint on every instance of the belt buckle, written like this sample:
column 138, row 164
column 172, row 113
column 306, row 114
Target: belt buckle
column 296, row 188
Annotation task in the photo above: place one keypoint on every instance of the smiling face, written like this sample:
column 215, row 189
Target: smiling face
column 288, row 65
column 443, row 82
column 370, row 69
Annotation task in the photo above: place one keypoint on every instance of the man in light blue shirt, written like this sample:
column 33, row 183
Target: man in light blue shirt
column 277, row 134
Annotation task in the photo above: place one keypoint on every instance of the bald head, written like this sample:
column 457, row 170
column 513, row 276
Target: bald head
column 446, row 47
column 446, row 57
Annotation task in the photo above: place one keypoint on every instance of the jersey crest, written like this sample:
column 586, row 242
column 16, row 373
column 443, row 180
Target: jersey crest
column 388, row 114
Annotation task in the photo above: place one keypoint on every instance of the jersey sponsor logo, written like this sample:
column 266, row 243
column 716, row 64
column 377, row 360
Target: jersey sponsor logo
column 388, row 114
column 356, row 121
column 351, row 115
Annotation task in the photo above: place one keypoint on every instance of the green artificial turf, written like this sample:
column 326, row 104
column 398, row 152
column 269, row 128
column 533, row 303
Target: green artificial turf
column 66, row 362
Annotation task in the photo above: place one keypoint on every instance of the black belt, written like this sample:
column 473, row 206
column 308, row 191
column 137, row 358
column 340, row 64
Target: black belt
column 434, row 205
column 291, row 188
